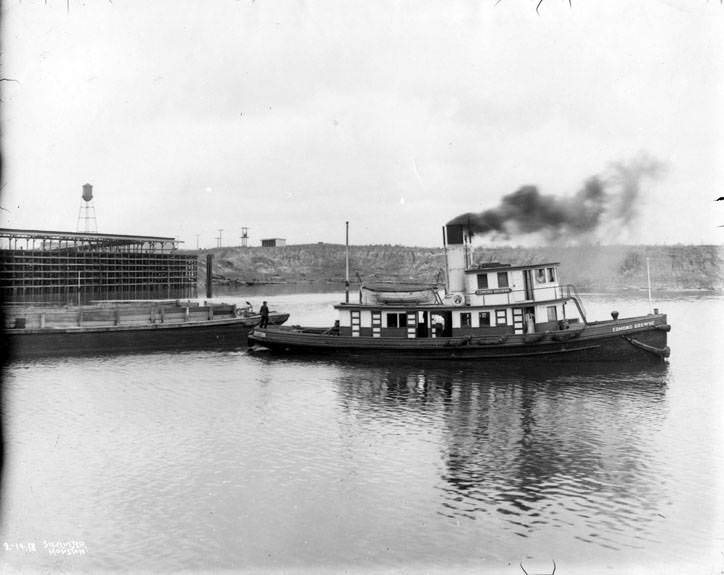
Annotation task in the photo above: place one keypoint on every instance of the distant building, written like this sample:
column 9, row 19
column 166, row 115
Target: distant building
column 273, row 242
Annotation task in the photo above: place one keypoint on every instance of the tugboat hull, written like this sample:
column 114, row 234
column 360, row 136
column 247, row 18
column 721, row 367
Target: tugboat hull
column 641, row 337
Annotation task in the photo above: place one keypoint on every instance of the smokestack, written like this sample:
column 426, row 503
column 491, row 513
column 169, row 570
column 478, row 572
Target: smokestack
column 457, row 252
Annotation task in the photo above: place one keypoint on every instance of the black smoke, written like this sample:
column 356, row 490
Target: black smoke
column 606, row 203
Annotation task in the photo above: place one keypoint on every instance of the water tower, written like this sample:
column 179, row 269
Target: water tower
column 87, row 212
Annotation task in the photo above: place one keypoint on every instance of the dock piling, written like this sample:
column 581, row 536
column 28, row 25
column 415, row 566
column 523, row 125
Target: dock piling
column 209, row 265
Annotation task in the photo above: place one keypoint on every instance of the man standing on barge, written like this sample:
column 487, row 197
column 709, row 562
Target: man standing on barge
column 264, row 311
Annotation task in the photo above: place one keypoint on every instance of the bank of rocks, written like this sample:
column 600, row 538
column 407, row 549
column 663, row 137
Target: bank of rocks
column 592, row 267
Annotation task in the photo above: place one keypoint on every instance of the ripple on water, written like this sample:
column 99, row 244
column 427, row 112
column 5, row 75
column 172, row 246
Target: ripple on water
column 205, row 460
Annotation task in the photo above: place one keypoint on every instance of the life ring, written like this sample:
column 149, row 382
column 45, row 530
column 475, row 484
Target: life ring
column 458, row 299
column 240, row 312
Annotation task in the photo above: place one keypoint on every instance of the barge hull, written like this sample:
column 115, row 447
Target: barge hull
column 28, row 343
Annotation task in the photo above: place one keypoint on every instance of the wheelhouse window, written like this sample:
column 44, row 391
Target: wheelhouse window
column 552, row 313
column 484, row 318
column 540, row 275
column 503, row 279
column 551, row 274
column 466, row 319
column 501, row 317
column 482, row 281
column 397, row 320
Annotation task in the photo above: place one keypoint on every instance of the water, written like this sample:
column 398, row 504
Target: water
column 211, row 461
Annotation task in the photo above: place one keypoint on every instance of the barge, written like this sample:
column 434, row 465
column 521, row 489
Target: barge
column 127, row 326
column 489, row 311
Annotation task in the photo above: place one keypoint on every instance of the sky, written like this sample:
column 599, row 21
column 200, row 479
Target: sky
column 290, row 117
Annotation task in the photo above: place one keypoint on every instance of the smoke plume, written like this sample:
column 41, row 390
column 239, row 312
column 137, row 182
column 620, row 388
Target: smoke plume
column 608, row 203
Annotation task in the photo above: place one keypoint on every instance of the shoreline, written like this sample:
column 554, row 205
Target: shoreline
column 695, row 269
column 627, row 290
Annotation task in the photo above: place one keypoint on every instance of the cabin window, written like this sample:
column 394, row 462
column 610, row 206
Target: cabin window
column 551, row 274
column 484, row 318
column 540, row 275
column 552, row 313
column 482, row 281
column 397, row 320
column 501, row 317
column 503, row 279
column 466, row 320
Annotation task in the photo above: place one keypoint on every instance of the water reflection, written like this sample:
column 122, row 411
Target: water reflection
column 523, row 449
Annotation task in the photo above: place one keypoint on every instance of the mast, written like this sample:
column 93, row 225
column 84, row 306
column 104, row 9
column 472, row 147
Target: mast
column 346, row 261
column 648, row 281
column 444, row 248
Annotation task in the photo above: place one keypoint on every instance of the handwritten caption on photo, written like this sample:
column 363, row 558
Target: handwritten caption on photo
column 71, row 547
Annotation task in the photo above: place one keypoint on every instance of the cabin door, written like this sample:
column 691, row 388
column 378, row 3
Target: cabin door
column 376, row 323
column 422, row 324
column 355, row 317
column 529, row 319
column 411, row 324
column 528, row 284
column 517, row 320
column 441, row 324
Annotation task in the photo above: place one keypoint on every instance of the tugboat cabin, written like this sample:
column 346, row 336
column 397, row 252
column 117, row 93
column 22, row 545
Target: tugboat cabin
column 489, row 299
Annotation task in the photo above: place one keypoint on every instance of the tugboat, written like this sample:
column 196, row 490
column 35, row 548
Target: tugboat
column 491, row 311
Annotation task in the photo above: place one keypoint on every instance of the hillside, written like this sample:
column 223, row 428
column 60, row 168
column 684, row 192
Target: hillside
column 606, row 268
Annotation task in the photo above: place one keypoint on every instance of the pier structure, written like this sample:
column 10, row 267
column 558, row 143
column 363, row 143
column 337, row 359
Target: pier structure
column 72, row 267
